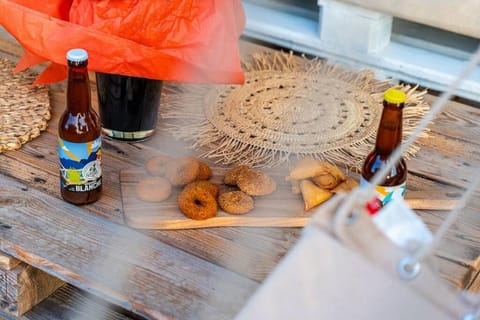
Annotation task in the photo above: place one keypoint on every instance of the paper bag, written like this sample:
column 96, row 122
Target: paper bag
column 350, row 272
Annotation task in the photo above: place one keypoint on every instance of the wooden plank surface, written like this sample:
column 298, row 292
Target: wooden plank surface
column 70, row 303
column 165, row 282
column 230, row 256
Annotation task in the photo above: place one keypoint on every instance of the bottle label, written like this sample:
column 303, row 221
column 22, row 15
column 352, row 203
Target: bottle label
column 385, row 194
column 80, row 165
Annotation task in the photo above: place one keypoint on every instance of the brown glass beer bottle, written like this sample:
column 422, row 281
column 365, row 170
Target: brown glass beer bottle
column 389, row 137
column 79, row 137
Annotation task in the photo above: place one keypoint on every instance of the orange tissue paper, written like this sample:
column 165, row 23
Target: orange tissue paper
column 176, row 40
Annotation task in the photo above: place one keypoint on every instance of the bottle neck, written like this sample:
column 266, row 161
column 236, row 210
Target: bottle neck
column 389, row 135
column 78, row 89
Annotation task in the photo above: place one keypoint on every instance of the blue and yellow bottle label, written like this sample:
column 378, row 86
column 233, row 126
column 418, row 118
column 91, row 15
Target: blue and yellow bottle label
column 385, row 194
column 80, row 165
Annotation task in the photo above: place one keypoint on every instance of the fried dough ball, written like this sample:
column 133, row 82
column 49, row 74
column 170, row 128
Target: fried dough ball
column 197, row 203
column 232, row 175
column 236, row 202
column 255, row 183
column 204, row 172
column 182, row 171
column 213, row 188
column 157, row 165
column 153, row 189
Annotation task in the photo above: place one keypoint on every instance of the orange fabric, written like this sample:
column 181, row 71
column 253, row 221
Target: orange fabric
column 28, row 59
column 55, row 8
column 184, row 40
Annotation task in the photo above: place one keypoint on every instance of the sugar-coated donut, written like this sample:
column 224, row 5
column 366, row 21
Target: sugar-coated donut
column 153, row 189
column 157, row 165
column 236, row 202
column 255, row 183
column 182, row 171
column 231, row 176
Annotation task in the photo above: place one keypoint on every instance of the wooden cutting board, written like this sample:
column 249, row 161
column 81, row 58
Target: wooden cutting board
column 279, row 209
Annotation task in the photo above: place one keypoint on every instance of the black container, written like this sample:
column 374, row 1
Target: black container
column 128, row 106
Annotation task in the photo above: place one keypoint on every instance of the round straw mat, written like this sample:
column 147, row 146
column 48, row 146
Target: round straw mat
column 24, row 109
column 298, row 113
column 283, row 109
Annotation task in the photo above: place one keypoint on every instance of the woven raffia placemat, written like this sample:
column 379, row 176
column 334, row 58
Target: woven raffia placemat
column 286, row 106
column 24, row 109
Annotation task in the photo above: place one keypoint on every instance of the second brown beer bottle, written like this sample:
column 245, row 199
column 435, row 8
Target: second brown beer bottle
column 389, row 137
column 79, row 137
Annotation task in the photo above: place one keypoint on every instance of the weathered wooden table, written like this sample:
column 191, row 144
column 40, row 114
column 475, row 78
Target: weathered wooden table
column 201, row 273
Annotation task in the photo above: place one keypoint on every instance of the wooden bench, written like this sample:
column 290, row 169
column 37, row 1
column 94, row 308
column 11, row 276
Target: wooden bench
column 206, row 273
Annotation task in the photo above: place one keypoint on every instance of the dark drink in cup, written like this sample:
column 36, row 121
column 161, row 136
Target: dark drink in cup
column 128, row 106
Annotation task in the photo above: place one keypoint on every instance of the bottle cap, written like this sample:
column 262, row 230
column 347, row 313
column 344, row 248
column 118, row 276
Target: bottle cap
column 394, row 96
column 77, row 55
